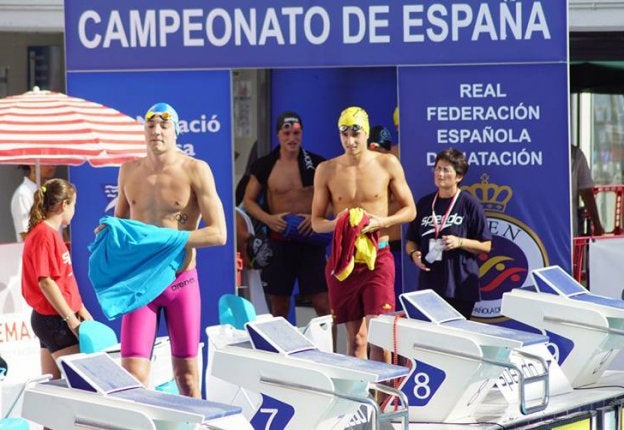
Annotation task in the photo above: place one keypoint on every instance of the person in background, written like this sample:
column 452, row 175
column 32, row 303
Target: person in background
column 360, row 183
column 380, row 140
column 395, row 117
column 169, row 189
column 395, row 120
column 284, row 180
column 22, row 199
column 448, row 234
column 48, row 282
column 582, row 186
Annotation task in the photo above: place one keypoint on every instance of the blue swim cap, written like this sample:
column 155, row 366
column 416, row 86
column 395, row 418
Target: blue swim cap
column 166, row 112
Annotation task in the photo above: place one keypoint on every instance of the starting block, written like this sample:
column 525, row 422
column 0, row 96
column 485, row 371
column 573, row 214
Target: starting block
column 586, row 331
column 98, row 393
column 455, row 363
column 274, row 373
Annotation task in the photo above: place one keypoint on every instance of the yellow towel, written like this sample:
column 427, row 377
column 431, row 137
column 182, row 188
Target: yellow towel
column 365, row 249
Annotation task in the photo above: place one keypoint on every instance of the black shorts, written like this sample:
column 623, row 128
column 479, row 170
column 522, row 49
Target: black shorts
column 295, row 261
column 53, row 333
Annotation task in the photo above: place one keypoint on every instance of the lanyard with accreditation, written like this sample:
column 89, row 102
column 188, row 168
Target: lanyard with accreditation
column 438, row 228
column 436, row 246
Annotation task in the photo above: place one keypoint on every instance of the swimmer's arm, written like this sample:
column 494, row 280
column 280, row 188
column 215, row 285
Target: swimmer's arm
column 242, row 238
column 275, row 222
column 406, row 211
column 122, row 208
column 52, row 293
column 402, row 194
column 321, row 201
column 210, row 206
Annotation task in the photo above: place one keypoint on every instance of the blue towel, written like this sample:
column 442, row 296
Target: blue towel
column 132, row 263
column 291, row 232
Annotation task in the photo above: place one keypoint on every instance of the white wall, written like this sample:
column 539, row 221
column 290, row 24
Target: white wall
column 13, row 55
column 596, row 15
column 32, row 15
column 10, row 178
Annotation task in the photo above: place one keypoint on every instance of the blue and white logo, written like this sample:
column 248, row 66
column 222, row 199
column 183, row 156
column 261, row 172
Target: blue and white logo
column 272, row 414
column 112, row 194
column 422, row 383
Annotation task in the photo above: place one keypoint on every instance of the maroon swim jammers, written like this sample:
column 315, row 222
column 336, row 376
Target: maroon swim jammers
column 364, row 292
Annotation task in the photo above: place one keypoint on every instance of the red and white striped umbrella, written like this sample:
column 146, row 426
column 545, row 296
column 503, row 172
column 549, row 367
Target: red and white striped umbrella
column 45, row 127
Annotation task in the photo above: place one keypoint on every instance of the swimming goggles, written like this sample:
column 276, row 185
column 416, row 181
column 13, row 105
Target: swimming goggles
column 295, row 125
column 164, row 115
column 355, row 128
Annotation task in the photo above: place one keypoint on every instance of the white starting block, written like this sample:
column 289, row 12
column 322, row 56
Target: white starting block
column 455, row 362
column 98, row 393
column 283, row 381
column 585, row 330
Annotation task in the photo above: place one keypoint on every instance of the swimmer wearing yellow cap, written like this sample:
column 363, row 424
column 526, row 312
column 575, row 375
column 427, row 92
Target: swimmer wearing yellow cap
column 354, row 129
column 354, row 118
column 365, row 179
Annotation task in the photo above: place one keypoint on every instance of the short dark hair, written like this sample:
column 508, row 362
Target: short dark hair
column 288, row 118
column 456, row 158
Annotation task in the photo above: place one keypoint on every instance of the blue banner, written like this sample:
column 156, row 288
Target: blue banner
column 321, row 94
column 512, row 124
column 303, row 33
column 202, row 100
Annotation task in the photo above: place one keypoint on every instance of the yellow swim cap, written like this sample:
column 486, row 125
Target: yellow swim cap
column 354, row 116
column 395, row 117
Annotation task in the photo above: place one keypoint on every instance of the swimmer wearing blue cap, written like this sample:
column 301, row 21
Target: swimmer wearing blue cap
column 166, row 113
column 168, row 188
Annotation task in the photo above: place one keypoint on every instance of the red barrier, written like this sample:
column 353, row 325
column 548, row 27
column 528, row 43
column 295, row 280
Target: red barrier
column 618, row 190
column 239, row 269
column 581, row 244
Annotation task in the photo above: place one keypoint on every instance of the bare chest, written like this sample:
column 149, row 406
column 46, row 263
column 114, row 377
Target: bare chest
column 285, row 177
column 358, row 187
column 162, row 196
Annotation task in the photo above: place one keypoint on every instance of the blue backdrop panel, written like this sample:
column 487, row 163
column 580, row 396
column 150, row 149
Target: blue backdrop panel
column 512, row 123
column 304, row 33
column 198, row 97
column 319, row 95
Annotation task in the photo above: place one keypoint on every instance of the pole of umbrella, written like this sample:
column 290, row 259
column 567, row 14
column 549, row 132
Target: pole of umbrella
column 38, row 172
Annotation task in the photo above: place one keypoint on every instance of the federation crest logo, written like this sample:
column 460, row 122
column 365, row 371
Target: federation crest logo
column 516, row 249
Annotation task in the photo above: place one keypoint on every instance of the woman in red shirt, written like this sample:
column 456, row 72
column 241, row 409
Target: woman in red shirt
column 48, row 282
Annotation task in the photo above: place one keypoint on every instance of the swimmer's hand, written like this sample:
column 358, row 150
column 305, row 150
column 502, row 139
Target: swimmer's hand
column 341, row 213
column 305, row 226
column 277, row 223
column 99, row 228
column 374, row 224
